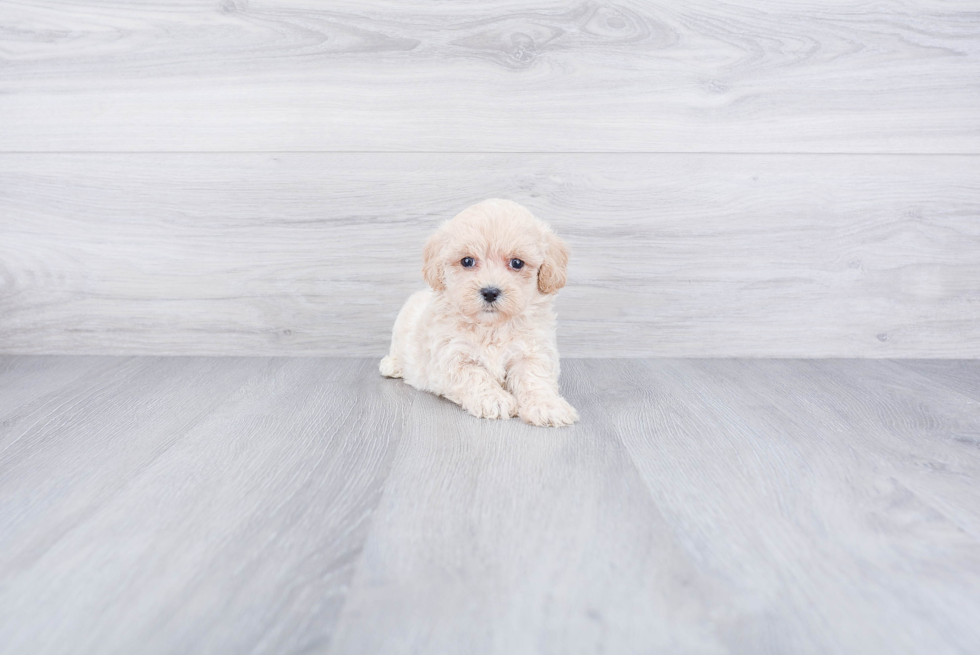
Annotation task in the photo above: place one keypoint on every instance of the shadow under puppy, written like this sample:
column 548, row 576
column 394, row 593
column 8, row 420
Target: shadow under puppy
column 483, row 336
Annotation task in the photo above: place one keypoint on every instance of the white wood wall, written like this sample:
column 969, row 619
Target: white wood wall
column 736, row 179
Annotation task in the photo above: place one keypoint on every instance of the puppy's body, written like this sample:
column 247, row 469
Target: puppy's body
column 495, row 358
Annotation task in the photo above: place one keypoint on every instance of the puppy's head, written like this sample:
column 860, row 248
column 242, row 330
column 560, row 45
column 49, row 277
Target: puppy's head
column 493, row 259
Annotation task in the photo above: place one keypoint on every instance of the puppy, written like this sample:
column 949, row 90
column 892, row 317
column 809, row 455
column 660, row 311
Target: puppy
column 483, row 335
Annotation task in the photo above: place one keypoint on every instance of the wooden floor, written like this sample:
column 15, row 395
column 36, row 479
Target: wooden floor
column 239, row 505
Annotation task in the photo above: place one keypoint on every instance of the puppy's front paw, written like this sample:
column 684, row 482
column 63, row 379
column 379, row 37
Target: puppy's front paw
column 493, row 404
column 548, row 411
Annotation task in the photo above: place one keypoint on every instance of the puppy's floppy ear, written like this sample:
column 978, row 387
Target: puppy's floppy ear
column 431, row 260
column 551, row 275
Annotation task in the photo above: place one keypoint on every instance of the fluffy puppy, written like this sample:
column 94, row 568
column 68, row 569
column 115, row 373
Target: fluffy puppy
column 483, row 335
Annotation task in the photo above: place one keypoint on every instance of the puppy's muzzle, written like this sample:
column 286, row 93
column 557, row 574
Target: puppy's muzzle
column 490, row 294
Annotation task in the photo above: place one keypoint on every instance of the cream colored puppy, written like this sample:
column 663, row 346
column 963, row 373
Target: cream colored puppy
column 483, row 336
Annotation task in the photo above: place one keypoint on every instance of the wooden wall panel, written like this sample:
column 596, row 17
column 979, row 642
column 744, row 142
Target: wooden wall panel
column 679, row 255
column 502, row 76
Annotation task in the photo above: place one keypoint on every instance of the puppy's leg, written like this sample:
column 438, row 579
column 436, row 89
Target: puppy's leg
column 403, row 334
column 534, row 382
column 473, row 388
column 389, row 367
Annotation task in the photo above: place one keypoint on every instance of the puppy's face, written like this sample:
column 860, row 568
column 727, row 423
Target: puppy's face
column 493, row 259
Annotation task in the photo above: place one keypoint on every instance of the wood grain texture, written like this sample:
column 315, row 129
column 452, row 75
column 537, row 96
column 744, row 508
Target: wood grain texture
column 229, row 505
column 188, row 505
column 797, row 481
column 25, row 380
column 700, row 507
column 496, row 537
column 502, row 76
column 961, row 377
column 678, row 255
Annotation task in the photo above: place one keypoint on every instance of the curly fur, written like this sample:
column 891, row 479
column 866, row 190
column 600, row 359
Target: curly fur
column 499, row 359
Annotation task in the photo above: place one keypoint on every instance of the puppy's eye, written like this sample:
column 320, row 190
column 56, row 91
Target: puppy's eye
column 467, row 262
column 516, row 264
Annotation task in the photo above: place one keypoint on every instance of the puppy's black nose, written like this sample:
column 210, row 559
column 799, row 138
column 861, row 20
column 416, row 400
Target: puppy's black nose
column 489, row 293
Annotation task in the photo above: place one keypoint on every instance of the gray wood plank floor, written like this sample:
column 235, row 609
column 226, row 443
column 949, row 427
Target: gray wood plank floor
column 232, row 505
